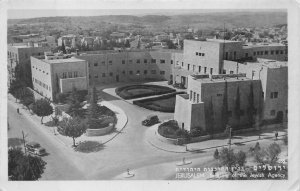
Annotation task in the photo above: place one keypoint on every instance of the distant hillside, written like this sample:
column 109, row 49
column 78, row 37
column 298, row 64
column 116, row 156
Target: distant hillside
column 159, row 22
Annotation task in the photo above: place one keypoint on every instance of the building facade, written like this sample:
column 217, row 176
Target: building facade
column 55, row 74
column 214, row 101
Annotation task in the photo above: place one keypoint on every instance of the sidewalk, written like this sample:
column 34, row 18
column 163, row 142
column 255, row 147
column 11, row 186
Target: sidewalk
column 67, row 141
column 236, row 140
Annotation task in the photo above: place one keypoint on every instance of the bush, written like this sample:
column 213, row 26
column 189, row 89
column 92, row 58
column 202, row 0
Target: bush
column 124, row 93
column 61, row 98
column 170, row 129
column 196, row 132
column 100, row 123
column 89, row 146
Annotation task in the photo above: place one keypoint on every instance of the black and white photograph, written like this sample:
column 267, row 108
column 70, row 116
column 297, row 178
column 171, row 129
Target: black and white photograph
column 176, row 94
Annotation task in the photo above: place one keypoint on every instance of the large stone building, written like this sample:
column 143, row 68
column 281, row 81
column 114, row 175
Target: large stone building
column 214, row 101
column 19, row 54
column 274, row 79
column 58, row 73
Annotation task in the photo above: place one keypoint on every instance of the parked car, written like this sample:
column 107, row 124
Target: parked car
column 151, row 120
column 35, row 148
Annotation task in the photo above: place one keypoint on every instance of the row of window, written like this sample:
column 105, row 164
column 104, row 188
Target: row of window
column 41, row 84
column 138, row 61
column 40, row 70
column 69, row 74
column 272, row 52
column 199, row 69
column 274, row 95
column 131, row 73
column 200, row 54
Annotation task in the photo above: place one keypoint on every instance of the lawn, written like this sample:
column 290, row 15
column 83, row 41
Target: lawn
column 138, row 91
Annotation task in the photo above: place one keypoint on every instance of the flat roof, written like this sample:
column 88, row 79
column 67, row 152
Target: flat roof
column 63, row 60
column 246, row 46
column 270, row 63
column 210, row 80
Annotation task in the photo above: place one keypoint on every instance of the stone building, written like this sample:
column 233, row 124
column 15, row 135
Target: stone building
column 214, row 101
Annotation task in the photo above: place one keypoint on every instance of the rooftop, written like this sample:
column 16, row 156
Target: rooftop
column 271, row 63
column 221, row 78
column 63, row 60
column 249, row 45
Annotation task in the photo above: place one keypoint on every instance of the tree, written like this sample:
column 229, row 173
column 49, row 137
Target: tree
column 269, row 155
column 93, row 110
column 27, row 98
column 210, row 117
column 216, row 154
column 227, row 158
column 72, row 127
column 237, row 104
column 15, row 88
column 42, row 108
column 241, row 158
column 24, row 167
column 63, row 48
column 75, row 108
column 225, row 107
column 251, row 108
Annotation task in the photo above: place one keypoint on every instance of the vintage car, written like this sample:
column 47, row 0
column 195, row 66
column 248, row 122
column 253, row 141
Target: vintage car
column 35, row 148
column 151, row 120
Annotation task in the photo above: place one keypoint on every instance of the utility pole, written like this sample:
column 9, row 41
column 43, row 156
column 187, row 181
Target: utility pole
column 221, row 72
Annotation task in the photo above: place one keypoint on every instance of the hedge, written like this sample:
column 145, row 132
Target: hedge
column 143, row 103
column 157, row 90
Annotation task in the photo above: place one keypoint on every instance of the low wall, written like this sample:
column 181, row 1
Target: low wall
column 166, row 140
column 99, row 132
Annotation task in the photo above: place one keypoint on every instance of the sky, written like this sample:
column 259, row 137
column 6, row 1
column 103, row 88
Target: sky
column 33, row 13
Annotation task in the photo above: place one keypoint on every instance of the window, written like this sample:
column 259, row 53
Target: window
column 246, row 55
column 75, row 74
column 95, row 64
column 182, row 64
column 145, row 72
column 272, row 52
column 110, row 62
column 281, row 51
column 194, row 97
column 226, row 56
column 231, row 72
column 254, row 53
column 153, row 71
column 111, row 74
column 162, row 61
column 193, row 67
column 272, row 112
column 123, row 72
column 204, row 70
column 188, row 66
column 138, row 61
column 257, row 53
column 234, row 55
column 145, row 61
column 274, row 95
column 224, row 71
column 70, row 74
column 191, row 94
column 199, row 68
column 130, row 72
column 219, row 95
column 277, row 52
column 32, row 66
column 123, row 61
column 197, row 98
column 211, row 70
column 203, row 54
column 103, row 75
column 196, row 53
column 286, row 51
column 162, row 72
column 64, row 74
column 261, row 52
column 171, row 61
column 89, row 76
column 266, row 52
column 96, row 75
column 103, row 63
column 153, row 61
column 137, row 72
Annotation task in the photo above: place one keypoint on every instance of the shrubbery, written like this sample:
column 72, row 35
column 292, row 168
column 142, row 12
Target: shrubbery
column 124, row 93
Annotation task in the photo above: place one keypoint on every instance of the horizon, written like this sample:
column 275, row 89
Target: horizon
column 14, row 14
